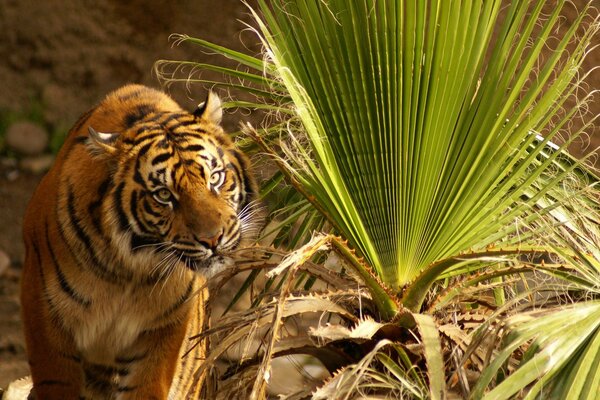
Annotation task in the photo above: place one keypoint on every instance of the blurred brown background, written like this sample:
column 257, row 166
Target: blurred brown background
column 58, row 58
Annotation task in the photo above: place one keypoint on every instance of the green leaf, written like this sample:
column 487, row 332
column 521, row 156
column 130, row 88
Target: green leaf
column 242, row 58
column 564, row 341
column 433, row 355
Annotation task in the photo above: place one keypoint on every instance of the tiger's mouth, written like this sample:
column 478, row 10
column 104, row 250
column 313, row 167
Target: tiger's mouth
column 195, row 259
column 209, row 265
column 196, row 263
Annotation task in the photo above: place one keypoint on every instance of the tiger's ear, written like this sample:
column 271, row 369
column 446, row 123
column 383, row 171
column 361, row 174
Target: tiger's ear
column 101, row 143
column 210, row 110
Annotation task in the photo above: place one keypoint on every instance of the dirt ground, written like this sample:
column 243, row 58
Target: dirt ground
column 62, row 57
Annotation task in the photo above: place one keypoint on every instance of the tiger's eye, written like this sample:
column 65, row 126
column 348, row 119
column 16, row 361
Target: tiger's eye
column 216, row 179
column 163, row 196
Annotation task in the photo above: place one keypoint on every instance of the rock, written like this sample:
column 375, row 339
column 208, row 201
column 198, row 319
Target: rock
column 4, row 262
column 12, row 175
column 37, row 165
column 27, row 138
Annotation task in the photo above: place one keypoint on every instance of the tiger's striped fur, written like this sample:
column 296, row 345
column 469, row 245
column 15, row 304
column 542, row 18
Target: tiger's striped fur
column 143, row 198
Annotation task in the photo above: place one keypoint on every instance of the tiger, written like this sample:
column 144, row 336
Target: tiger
column 142, row 201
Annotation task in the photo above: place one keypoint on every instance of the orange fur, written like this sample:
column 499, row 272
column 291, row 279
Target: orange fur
column 117, row 235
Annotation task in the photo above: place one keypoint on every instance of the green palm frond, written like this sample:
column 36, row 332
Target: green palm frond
column 561, row 366
column 420, row 147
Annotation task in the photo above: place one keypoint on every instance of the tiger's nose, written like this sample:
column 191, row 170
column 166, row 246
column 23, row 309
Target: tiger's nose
column 211, row 242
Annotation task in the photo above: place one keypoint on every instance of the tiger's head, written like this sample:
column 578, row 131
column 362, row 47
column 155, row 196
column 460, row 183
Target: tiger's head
column 181, row 191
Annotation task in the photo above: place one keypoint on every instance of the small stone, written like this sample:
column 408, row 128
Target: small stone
column 27, row 138
column 12, row 175
column 4, row 262
column 37, row 165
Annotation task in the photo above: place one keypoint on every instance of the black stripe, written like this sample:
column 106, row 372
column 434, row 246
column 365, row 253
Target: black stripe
column 82, row 120
column 146, row 134
column 161, row 158
column 97, row 385
column 143, row 128
column 71, row 357
column 238, row 177
column 230, row 231
column 138, row 242
column 51, row 306
column 144, row 149
column 176, row 168
column 93, row 209
column 155, row 181
column 52, row 382
column 137, row 175
column 134, row 93
column 248, row 188
column 183, row 299
column 103, row 188
column 105, row 370
column 38, row 258
column 62, row 280
column 160, row 172
column 131, row 359
column 170, row 118
column 156, row 118
column 94, row 266
column 118, row 206
column 147, row 227
column 140, row 111
column 197, row 133
column 148, row 209
column 163, row 144
column 98, row 268
column 187, row 123
column 124, row 389
column 75, row 223
column 80, row 140
column 133, row 207
column 232, row 186
column 193, row 147
column 185, row 243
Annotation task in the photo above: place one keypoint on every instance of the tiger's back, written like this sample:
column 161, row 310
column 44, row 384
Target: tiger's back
column 142, row 198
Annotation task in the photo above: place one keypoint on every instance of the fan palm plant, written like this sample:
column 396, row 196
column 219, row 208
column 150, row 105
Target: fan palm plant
column 418, row 136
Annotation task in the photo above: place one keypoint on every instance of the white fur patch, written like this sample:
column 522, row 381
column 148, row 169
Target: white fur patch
column 219, row 264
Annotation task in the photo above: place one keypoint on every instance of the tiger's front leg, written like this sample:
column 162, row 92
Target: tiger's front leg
column 53, row 360
column 144, row 371
column 55, row 369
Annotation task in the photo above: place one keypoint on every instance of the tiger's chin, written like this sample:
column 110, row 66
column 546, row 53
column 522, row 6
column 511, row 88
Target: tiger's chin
column 209, row 266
